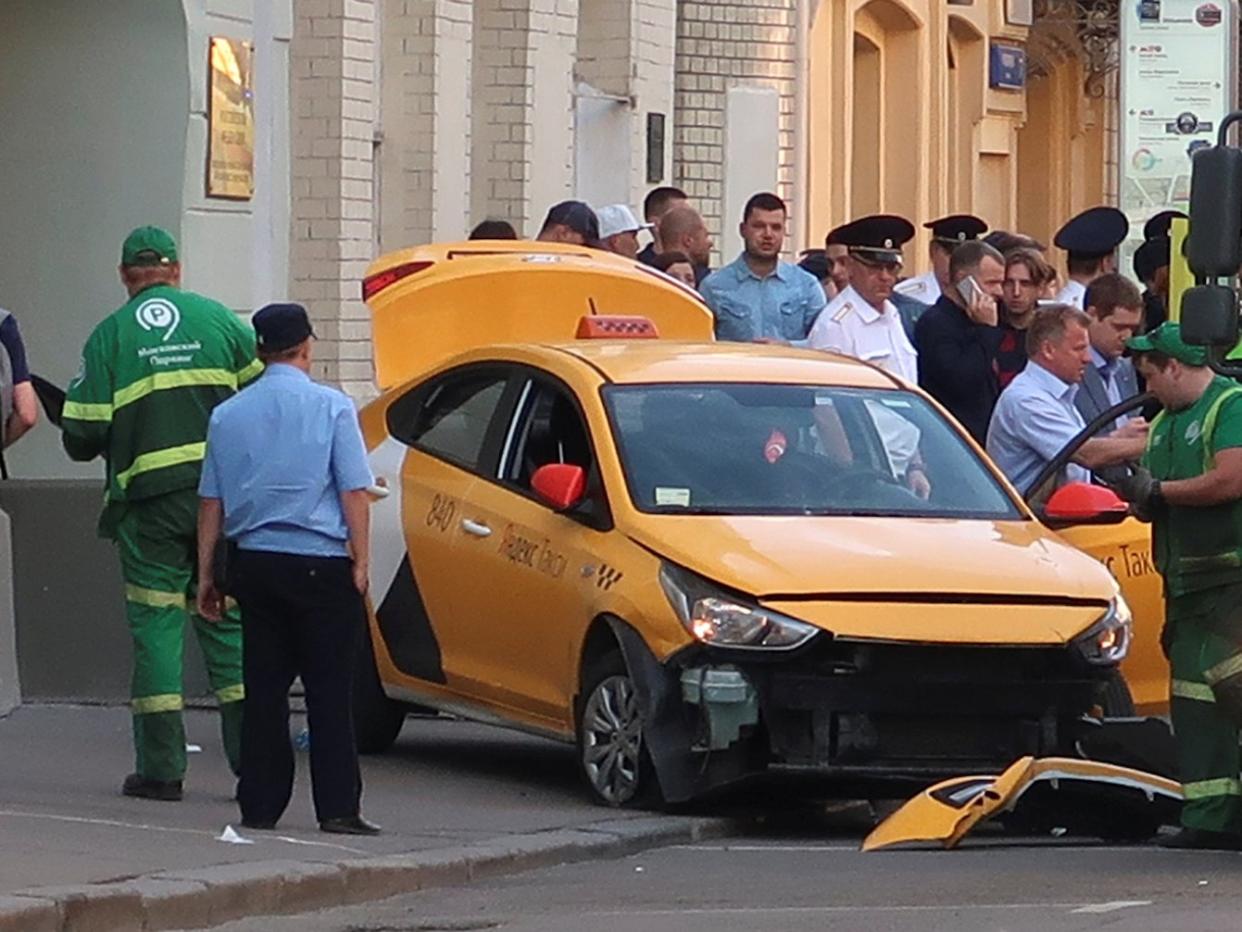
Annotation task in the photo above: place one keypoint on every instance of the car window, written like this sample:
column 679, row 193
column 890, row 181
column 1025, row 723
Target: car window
column 549, row 429
column 791, row 449
column 451, row 417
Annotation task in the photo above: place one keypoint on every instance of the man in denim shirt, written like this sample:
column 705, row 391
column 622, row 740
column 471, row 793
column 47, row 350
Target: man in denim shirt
column 757, row 297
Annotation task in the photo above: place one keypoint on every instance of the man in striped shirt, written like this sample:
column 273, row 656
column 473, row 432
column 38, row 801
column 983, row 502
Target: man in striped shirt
column 151, row 374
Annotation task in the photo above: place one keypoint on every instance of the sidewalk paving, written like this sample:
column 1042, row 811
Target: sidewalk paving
column 456, row 800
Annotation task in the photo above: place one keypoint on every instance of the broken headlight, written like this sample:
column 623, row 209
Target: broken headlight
column 716, row 617
column 1108, row 640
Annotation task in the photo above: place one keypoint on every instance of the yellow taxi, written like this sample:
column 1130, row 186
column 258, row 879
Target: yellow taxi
column 699, row 562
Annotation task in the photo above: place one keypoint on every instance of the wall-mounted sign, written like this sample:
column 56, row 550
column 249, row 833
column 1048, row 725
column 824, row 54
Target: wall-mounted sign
column 655, row 148
column 230, row 121
column 1178, row 80
column 1007, row 67
column 1020, row 12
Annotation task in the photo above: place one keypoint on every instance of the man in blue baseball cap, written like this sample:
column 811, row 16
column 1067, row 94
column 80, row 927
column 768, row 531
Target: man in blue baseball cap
column 285, row 482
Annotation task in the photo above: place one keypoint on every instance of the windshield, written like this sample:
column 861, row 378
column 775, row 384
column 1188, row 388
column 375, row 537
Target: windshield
column 736, row 449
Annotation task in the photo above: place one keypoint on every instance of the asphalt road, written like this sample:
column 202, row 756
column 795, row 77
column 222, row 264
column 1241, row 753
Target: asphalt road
column 796, row 882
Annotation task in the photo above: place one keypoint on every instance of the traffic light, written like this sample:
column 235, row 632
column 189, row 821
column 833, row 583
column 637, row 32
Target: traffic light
column 1209, row 311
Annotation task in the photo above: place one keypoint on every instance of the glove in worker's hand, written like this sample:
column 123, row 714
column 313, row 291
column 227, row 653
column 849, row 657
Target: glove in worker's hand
column 1142, row 490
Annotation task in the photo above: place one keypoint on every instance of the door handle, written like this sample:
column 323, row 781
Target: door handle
column 475, row 528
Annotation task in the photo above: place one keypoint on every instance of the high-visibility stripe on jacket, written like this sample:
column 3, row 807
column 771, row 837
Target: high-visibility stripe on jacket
column 151, row 373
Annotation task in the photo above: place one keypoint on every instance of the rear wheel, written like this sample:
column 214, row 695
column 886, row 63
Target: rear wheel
column 612, row 754
column 377, row 719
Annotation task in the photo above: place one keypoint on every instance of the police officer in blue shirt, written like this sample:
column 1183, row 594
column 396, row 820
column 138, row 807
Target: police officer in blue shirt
column 757, row 297
column 285, row 480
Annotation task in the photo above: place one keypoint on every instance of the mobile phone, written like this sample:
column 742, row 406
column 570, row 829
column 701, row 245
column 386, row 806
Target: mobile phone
column 969, row 289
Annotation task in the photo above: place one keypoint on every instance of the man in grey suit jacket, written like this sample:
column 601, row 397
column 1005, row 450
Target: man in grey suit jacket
column 1116, row 310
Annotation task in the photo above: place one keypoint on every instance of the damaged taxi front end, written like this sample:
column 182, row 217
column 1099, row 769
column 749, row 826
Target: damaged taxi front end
column 881, row 635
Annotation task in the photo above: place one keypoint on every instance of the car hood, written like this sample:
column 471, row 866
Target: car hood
column 834, row 556
column 960, row 571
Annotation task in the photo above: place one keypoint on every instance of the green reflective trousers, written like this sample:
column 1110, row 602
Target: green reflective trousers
column 1203, row 639
column 156, row 539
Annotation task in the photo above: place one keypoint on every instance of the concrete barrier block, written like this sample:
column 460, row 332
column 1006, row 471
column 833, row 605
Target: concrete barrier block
column 310, row 886
column 172, row 904
column 99, row 907
column 29, row 914
column 391, row 875
column 235, row 891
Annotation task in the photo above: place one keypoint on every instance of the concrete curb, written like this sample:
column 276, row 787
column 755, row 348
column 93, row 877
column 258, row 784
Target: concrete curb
column 196, row 899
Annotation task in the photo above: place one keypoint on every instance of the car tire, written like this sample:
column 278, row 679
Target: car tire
column 377, row 719
column 612, row 755
column 1118, row 703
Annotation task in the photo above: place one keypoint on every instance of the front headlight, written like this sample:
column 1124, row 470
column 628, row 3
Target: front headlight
column 713, row 616
column 1108, row 640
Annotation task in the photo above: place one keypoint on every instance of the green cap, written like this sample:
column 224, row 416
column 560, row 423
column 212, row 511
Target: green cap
column 149, row 246
column 1167, row 339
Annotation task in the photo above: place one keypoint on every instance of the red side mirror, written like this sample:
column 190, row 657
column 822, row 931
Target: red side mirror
column 1081, row 503
column 559, row 485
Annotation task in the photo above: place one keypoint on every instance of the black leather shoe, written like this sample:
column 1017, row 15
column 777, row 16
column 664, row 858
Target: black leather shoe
column 258, row 825
column 1201, row 839
column 142, row 788
column 349, row 825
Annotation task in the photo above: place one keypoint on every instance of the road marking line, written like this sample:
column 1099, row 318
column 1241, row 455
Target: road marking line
column 924, row 908
column 142, row 826
column 1111, row 907
column 751, row 848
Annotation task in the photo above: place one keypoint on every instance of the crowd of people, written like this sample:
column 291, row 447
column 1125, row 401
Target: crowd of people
column 1022, row 357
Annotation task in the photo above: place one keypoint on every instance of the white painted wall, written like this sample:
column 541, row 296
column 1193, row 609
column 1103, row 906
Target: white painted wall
column 603, row 131
column 88, row 152
column 752, row 155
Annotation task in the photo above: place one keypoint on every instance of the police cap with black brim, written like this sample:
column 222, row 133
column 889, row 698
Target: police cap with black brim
column 1160, row 224
column 876, row 240
column 1094, row 233
column 956, row 229
column 279, row 327
column 1154, row 254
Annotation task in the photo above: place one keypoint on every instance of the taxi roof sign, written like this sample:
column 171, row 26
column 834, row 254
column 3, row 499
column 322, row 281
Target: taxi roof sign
column 616, row 327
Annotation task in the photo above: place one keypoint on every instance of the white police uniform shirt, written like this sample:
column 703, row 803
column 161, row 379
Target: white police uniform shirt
column 1072, row 294
column 925, row 288
column 852, row 327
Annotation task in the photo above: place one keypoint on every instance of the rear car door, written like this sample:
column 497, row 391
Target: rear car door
column 450, row 428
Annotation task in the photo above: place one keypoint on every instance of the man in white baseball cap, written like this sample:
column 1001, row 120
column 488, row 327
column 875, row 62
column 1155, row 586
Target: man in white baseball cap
column 618, row 230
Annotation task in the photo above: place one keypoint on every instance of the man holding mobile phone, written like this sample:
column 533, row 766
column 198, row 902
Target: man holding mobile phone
column 957, row 338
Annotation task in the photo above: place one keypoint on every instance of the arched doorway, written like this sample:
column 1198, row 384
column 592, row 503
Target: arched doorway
column 966, row 73
column 888, row 119
column 867, row 170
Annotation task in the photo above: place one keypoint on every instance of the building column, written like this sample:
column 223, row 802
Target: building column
column 333, row 96
column 424, row 166
column 523, row 123
column 736, row 119
column 625, row 71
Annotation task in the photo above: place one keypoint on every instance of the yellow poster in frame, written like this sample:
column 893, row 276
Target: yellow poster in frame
column 230, row 120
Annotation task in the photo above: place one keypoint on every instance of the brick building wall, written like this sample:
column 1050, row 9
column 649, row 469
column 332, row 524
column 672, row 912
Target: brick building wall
column 721, row 45
column 522, row 74
column 332, row 98
column 424, row 120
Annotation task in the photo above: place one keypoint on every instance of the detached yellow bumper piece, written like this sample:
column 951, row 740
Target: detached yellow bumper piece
column 1114, row 801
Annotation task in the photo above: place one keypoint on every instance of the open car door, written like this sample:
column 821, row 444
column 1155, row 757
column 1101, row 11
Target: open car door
column 1125, row 548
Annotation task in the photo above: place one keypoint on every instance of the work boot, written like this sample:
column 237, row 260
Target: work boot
column 349, row 825
column 1201, row 839
column 141, row 787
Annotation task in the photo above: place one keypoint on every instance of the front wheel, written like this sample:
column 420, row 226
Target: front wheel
column 612, row 754
column 377, row 719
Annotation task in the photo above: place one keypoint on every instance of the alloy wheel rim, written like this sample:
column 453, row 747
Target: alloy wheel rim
column 612, row 740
